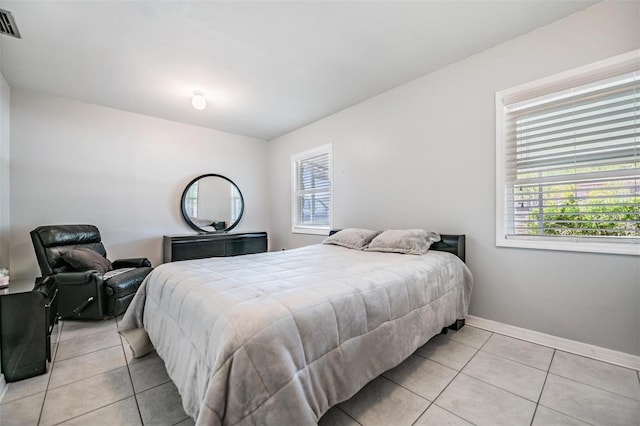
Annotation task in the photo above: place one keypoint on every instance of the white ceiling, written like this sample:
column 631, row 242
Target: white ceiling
column 265, row 67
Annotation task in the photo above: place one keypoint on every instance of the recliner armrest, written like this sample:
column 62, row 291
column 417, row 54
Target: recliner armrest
column 70, row 278
column 134, row 262
column 45, row 286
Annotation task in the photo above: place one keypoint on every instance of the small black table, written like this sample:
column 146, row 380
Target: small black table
column 25, row 332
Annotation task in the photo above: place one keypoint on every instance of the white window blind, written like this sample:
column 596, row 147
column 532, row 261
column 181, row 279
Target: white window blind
column 572, row 159
column 311, row 197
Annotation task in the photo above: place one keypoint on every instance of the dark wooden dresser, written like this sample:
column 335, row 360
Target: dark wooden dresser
column 199, row 246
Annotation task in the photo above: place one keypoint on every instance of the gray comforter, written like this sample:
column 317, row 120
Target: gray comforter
column 278, row 338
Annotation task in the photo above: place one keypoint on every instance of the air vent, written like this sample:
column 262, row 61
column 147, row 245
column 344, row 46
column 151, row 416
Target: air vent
column 8, row 24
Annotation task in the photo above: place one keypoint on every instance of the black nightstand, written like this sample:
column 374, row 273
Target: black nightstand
column 26, row 322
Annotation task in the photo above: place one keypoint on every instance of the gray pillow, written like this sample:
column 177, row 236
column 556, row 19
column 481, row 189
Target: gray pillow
column 406, row 241
column 84, row 259
column 354, row 238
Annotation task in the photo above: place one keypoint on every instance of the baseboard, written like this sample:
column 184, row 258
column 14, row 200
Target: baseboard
column 591, row 351
column 3, row 387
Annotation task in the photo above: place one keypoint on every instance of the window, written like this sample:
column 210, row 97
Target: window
column 236, row 203
column 568, row 160
column 311, row 191
column 191, row 201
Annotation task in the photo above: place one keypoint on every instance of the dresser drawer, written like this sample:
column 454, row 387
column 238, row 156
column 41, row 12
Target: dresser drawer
column 197, row 250
column 246, row 246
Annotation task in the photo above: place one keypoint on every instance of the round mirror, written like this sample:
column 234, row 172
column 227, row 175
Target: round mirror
column 212, row 203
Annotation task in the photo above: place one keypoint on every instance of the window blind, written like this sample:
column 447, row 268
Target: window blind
column 573, row 162
column 312, row 190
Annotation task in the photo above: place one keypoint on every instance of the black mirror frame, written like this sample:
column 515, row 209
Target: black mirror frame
column 183, row 209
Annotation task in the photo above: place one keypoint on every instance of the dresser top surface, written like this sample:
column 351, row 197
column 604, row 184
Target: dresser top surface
column 216, row 235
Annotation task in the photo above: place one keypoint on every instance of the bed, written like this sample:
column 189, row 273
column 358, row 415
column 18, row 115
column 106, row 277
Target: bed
column 278, row 338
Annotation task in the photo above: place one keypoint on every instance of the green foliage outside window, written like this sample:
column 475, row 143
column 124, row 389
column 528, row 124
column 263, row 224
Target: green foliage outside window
column 587, row 217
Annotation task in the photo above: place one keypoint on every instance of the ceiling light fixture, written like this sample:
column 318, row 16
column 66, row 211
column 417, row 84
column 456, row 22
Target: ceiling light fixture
column 198, row 101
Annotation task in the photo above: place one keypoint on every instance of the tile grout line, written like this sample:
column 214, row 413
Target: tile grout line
column 88, row 377
column 135, row 394
column 347, row 414
column 90, row 352
column 571, row 417
column 458, row 372
column 153, row 387
column 489, row 384
column 89, row 412
column 500, row 388
column 409, row 390
column 572, row 352
column 429, row 359
column 444, row 365
column 546, row 376
column 547, row 373
column 595, row 387
column 77, row 356
column 507, row 390
column 114, row 402
column 177, row 423
column 57, row 344
column 54, row 354
column 84, row 336
column 422, row 414
column 53, row 362
column 542, row 390
column 520, row 362
column 517, row 362
column 124, row 353
column 548, row 370
column 405, row 388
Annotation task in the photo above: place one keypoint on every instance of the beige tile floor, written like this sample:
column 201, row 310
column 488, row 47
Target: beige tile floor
column 468, row 377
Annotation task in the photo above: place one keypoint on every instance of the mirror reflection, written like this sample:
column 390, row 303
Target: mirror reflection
column 212, row 203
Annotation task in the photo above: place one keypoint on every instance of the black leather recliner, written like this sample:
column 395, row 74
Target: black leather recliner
column 87, row 294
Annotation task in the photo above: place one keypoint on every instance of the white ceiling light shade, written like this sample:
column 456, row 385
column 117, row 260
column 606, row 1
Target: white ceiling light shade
column 198, row 101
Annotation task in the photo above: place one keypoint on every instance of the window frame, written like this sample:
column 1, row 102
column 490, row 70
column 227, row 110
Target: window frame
column 593, row 72
column 295, row 158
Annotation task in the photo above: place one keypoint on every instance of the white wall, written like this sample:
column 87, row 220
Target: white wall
column 423, row 155
column 73, row 162
column 4, row 172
